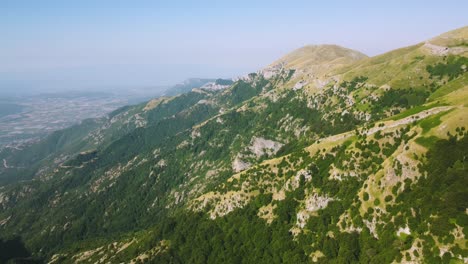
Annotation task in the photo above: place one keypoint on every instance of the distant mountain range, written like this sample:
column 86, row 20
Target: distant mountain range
column 192, row 83
column 326, row 155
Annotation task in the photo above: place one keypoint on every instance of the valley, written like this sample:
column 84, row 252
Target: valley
column 40, row 115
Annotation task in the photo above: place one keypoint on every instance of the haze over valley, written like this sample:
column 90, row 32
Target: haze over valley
column 31, row 116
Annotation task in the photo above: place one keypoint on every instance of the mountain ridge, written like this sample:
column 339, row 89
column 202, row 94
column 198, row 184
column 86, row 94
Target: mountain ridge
column 304, row 170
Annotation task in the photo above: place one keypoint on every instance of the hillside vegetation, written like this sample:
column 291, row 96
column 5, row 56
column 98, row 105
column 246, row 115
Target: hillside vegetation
column 325, row 156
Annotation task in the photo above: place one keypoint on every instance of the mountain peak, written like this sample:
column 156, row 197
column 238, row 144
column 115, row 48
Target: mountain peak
column 457, row 37
column 453, row 42
column 315, row 63
column 320, row 54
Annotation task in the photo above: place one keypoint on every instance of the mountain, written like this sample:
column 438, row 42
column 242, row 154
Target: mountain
column 326, row 155
column 312, row 64
column 187, row 86
column 193, row 83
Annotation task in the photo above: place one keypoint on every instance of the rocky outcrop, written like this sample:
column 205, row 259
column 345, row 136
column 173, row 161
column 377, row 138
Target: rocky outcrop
column 271, row 71
column 260, row 146
column 300, row 84
column 443, row 51
column 239, row 165
column 213, row 86
column 312, row 204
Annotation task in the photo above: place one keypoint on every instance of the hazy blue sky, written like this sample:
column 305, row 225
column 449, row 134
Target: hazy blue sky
column 82, row 44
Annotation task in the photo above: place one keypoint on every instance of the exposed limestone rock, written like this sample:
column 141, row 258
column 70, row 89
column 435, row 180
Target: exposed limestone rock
column 457, row 232
column 156, row 153
column 339, row 175
column 162, row 163
column 315, row 256
column 320, row 84
column 213, row 86
column 211, row 173
column 443, row 51
column 55, row 258
column 302, row 217
column 410, row 119
column 245, row 78
column 3, row 198
column 4, row 221
column 195, row 133
column 372, row 225
column 312, row 204
column 125, row 246
column 404, row 230
column 316, row 202
column 260, row 146
column 293, row 183
column 183, row 144
column 239, row 165
column 271, row 71
column 5, row 164
column 299, row 85
column 178, row 197
column 293, row 125
column 83, row 256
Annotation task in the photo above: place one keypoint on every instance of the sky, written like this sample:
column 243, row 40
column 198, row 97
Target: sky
column 105, row 44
